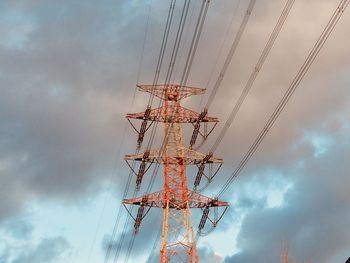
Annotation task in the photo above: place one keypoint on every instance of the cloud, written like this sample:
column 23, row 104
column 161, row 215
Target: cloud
column 67, row 75
column 48, row 250
column 207, row 255
column 62, row 100
column 312, row 221
column 20, row 228
column 149, row 231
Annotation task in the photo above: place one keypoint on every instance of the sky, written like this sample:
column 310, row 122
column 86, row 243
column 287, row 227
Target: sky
column 68, row 71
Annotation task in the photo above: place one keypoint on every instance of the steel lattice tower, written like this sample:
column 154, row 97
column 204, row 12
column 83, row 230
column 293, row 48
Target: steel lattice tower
column 178, row 242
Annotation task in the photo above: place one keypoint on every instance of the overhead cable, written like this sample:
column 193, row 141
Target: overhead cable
column 255, row 72
column 288, row 94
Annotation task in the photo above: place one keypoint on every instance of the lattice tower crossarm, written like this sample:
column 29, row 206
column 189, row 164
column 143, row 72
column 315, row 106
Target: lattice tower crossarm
column 178, row 243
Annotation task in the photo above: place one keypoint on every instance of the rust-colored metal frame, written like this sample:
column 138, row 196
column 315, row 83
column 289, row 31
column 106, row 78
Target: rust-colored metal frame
column 178, row 243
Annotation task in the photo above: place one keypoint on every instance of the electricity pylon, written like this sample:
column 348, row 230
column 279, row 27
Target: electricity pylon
column 178, row 243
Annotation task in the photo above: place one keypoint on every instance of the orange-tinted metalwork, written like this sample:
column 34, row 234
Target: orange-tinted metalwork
column 178, row 242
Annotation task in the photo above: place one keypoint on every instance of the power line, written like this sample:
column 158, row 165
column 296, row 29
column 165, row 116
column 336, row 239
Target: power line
column 118, row 218
column 223, row 70
column 172, row 62
column 156, row 241
column 288, row 94
column 178, row 40
column 159, row 64
column 266, row 129
column 163, row 46
column 227, row 31
column 191, row 54
column 196, row 35
column 167, row 28
column 231, row 52
column 122, row 142
column 123, row 234
column 154, row 128
column 255, row 72
column 144, row 42
column 192, row 51
column 195, row 41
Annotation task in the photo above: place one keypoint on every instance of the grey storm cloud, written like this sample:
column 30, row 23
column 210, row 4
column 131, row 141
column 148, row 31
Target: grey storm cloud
column 313, row 220
column 63, row 98
column 67, row 83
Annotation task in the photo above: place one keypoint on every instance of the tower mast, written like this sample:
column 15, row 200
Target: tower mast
column 178, row 238
column 178, row 243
